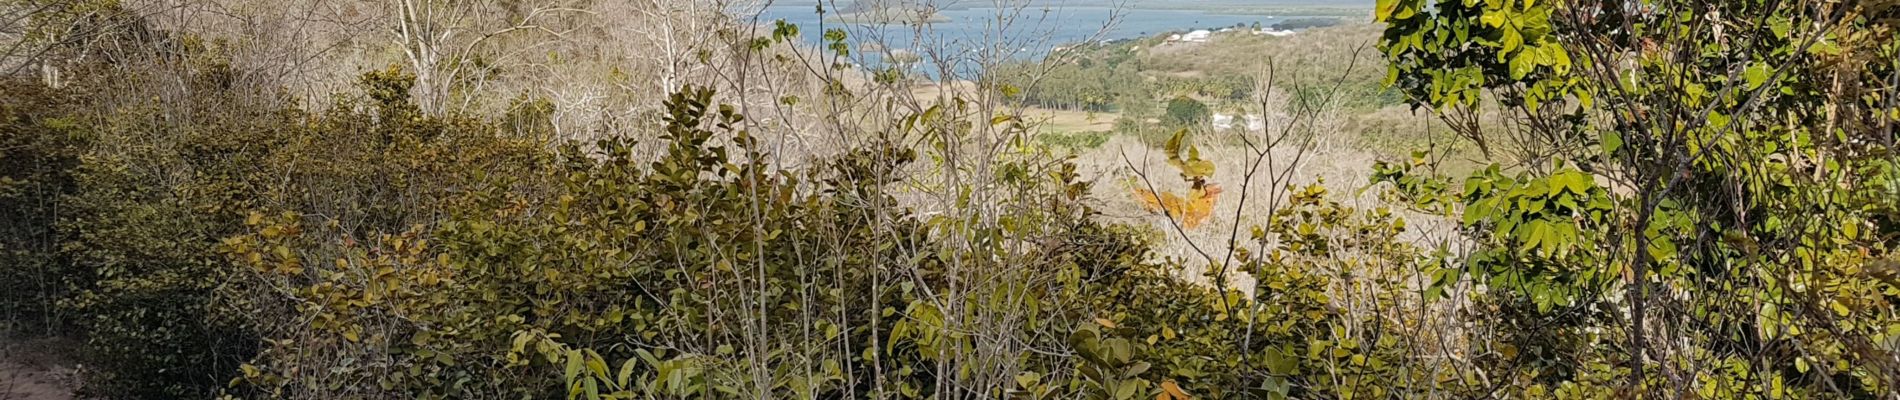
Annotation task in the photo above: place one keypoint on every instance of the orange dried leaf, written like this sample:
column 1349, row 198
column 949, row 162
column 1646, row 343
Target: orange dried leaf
column 1191, row 212
column 1198, row 211
column 1148, row 200
column 1172, row 391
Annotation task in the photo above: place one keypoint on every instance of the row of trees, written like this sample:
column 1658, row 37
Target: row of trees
column 1111, row 78
column 1095, row 78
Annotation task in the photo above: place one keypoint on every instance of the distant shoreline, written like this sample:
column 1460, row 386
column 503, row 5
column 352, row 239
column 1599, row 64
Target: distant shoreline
column 1276, row 11
column 889, row 16
column 912, row 16
column 1065, row 27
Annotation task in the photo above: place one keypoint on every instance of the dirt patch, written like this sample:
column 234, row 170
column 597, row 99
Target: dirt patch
column 36, row 369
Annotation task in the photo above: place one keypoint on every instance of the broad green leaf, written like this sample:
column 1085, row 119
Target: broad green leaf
column 1612, row 141
column 1492, row 20
column 1173, row 147
column 574, row 365
column 1521, row 66
column 1756, row 75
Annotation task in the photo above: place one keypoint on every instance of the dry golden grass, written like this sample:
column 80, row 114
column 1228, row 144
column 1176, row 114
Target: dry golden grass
column 1320, row 52
column 1051, row 120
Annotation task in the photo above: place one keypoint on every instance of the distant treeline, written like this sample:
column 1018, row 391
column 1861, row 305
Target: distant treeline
column 1305, row 23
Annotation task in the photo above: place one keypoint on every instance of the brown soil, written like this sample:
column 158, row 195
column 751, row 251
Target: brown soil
column 34, row 369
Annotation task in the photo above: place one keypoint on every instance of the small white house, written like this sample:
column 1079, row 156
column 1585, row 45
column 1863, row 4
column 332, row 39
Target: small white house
column 1250, row 122
column 1222, row 122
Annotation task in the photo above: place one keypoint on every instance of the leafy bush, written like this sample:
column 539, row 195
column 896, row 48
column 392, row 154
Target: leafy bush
column 1185, row 112
column 1696, row 219
column 123, row 211
column 708, row 273
column 40, row 147
column 207, row 239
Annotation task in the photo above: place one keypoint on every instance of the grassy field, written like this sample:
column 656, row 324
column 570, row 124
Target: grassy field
column 1070, row 121
column 1333, row 68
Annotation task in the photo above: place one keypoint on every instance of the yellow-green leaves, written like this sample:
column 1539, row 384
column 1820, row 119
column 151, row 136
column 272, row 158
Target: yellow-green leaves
column 1384, row 10
column 1436, row 52
column 1190, row 164
column 1755, row 75
column 1612, row 142
column 1540, row 233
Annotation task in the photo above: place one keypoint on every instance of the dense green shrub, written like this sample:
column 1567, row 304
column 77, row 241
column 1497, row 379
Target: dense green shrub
column 39, row 150
column 1703, row 204
column 147, row 195
column 208, row 239
column 123, row 204
column 1185, row 112
column 708, row 273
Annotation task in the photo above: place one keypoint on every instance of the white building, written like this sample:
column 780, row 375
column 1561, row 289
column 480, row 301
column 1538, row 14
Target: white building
column 1272, row 32
column 1197, row 36
column 1222, row 122
column 1250, row 122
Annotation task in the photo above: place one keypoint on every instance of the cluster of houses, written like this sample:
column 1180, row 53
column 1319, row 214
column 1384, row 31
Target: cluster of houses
column 1197, row 36
column 1203, row 35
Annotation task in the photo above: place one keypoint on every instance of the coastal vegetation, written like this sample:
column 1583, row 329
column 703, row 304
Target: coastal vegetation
column 888, row 12
column 432, row 199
